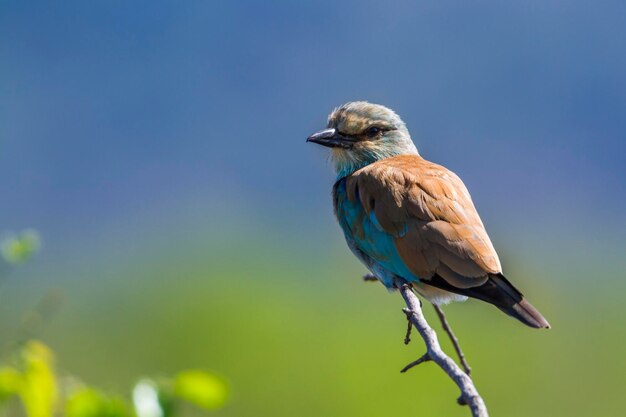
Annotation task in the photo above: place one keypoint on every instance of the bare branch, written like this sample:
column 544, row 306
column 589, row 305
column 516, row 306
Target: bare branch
column 469, row 394
column 424, row 358
column 453, row 339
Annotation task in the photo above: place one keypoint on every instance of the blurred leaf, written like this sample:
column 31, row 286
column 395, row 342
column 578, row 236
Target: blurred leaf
column 36, row 387
column 88, row 402
column 146, row 399
column 201, row 388
column 10, row 382
column 18, row 249
column 38, row 390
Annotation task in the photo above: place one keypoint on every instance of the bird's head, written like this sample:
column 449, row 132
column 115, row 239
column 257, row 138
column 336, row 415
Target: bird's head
column 360, row 133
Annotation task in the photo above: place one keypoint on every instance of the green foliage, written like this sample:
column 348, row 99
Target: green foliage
column 205, row 390
column 33, row 381
column 36, row 385
column 88, row 402
column 38, row 389
column 10, row 380
column 18, row 249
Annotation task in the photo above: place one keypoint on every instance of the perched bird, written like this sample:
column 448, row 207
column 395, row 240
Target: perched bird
column 410, row 219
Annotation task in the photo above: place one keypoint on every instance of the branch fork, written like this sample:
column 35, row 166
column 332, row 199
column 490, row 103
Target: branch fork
column 469, row 393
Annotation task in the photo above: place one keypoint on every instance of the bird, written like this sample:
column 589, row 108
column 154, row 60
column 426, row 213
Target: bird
column 406, row 218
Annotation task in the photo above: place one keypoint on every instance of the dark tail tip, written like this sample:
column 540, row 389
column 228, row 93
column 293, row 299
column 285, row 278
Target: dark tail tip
column 502, row 294
column 527, row 314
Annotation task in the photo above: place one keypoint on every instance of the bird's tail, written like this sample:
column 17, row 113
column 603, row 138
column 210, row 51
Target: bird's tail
column 512, row 302
column 497, row 290
column 527, row 314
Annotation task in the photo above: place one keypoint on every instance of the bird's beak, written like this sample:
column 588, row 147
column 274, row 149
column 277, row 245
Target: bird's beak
column 332, row 139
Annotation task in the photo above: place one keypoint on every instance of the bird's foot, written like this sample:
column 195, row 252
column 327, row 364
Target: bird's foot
column 369, row 278
column 424, row 358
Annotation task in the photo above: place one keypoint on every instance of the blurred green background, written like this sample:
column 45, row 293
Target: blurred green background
column 158, row 149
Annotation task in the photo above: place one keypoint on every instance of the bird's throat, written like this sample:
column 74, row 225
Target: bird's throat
column 347, row 161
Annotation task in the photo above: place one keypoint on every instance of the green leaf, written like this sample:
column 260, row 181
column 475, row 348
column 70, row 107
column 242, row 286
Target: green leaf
column 18, row 249
column 38, row 390
column 10, row 382
column 201, row 388
column 88, row 402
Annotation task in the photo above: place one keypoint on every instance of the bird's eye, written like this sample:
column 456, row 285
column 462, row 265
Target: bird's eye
column 373, row 131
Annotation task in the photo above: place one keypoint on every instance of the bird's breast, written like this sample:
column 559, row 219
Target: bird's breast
column 370, row 244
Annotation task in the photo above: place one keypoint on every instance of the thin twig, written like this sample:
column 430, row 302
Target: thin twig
column 469, row 394
column 409, row 326
column 424, row 358
column 453, row 338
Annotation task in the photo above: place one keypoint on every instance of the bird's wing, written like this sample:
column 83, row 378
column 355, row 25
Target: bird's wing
column 430, row 214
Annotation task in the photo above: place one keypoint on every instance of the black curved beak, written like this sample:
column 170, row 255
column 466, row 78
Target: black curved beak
column 331, row 139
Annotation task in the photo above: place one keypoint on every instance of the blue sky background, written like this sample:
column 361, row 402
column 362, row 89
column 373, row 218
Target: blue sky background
column 111, row 109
